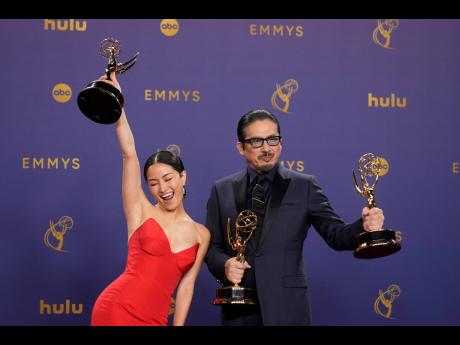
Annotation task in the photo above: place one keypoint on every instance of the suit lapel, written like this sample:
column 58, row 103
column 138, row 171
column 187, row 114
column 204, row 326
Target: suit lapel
column 239, row 191
column 280, row 185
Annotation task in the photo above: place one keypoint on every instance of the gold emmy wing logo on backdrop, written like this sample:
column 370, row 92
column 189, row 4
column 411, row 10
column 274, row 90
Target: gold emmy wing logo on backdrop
column 64, row 25
column 383, row 31
column 174, row 149
column 169, row 27
column 455, row 167
column 62, row 93
column 281, row 98
column 54, row 235
column 383, row 305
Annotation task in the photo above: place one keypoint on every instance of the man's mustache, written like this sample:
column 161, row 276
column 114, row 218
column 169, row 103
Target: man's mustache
column 266, row 154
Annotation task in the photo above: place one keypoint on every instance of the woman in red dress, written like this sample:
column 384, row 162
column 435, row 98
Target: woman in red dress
column 166, row 247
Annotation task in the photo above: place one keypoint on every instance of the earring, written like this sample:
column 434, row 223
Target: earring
column 183, row 189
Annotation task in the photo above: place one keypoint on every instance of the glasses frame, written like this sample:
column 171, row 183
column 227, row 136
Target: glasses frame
column 250, row 141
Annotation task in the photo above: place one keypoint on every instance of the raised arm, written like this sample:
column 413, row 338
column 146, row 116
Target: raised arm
column 134, row 199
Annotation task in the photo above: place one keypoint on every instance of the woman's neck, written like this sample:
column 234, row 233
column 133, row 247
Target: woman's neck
column 172, row 214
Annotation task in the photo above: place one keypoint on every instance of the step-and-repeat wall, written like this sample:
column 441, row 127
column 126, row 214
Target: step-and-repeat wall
column 340, row 88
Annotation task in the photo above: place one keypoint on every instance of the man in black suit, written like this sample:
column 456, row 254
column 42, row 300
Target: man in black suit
column 291, row 203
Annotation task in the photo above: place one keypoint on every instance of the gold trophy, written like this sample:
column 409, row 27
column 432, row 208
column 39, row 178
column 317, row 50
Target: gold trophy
column 372, row 244
column 245, row 224
column 100, row 101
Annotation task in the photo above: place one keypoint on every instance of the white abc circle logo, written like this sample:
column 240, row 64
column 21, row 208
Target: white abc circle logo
column 62, row 93
column 169, row 27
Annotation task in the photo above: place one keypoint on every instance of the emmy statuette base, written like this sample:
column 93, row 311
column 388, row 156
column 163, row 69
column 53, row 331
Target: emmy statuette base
column 376, row 244
column 101, row 102
column 235, row 295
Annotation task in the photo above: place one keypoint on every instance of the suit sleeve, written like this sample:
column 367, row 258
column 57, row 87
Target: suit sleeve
column 328, row 224
column 216, row 256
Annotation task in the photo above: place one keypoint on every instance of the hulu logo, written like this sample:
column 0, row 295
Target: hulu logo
column 386, row 102
column 64, row 25
column 66, row 308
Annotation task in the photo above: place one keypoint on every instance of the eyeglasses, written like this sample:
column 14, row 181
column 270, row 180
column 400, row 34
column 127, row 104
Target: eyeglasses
column 258, row 142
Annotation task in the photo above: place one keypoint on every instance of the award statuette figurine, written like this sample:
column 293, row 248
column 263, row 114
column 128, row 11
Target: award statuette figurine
column 245, row 225
column 372, row 244
column 100, row 101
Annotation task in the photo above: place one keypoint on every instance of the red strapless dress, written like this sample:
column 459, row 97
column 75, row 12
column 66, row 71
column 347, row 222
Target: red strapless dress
column 141, row 295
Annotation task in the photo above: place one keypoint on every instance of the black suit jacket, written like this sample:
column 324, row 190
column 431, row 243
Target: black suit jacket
column 296, row 203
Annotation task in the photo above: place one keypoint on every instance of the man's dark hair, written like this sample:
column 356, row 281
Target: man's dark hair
column 165, row 157
column 255, row 115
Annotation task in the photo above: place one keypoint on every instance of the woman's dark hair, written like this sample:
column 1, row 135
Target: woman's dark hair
column 165, row 157
column 255, row 115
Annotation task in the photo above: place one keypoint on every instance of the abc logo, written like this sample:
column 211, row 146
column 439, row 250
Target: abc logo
column 169, row 27
column 384, row 166
column 62, row 93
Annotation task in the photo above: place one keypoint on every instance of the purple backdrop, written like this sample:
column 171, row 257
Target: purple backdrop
column 356, row 86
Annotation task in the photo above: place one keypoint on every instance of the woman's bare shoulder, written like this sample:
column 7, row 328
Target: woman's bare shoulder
column 203, row 231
